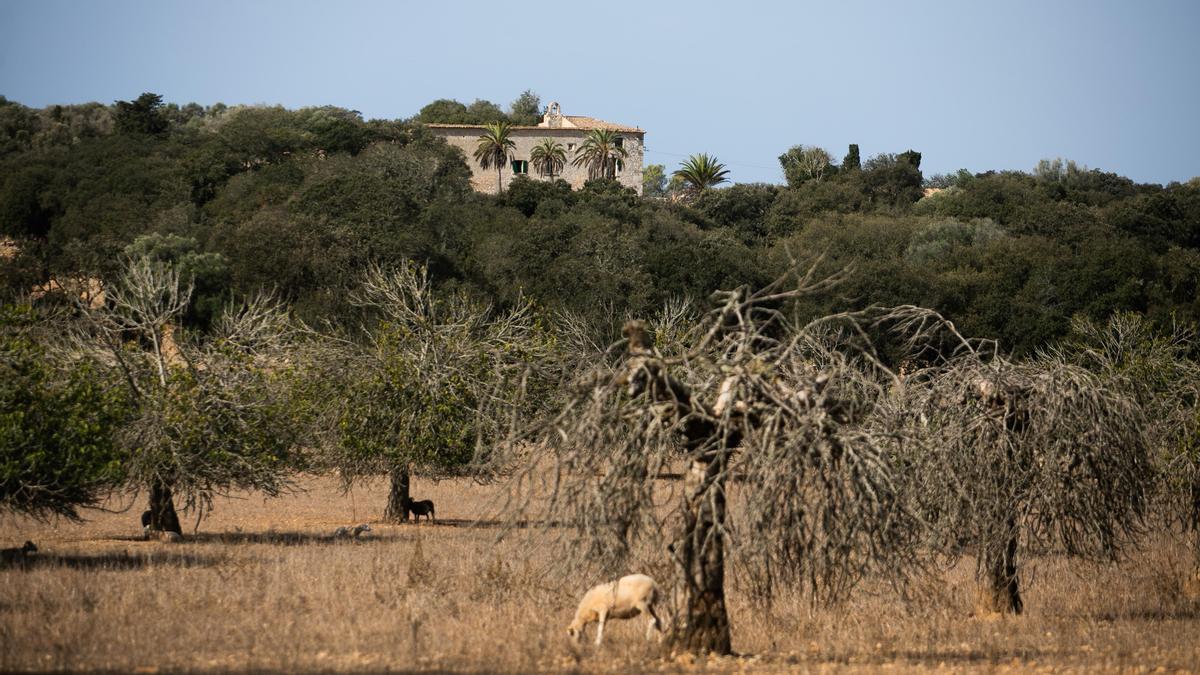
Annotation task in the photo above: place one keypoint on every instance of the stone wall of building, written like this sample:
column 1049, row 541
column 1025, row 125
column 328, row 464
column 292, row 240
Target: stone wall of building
column 466, row 138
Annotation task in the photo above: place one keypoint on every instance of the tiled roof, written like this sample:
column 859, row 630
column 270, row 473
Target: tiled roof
column 436, row 125
column 579, row 122
column 589, row 123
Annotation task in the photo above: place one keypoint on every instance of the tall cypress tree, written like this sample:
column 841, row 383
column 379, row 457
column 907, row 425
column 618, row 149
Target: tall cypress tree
column 851, row 161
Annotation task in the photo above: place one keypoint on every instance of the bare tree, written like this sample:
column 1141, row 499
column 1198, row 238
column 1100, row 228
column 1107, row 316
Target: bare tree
column 746, row 393
column 1004, row 456
column 1153, row 367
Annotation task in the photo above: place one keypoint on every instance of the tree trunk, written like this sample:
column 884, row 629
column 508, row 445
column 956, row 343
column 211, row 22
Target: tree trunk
column 162, row 509
column 704, row 624
column 398, row 498
column 1002, row 592
column 699, row 553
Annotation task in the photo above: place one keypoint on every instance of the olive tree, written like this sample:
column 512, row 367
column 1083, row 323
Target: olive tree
column 210, row 412
column 761, row 411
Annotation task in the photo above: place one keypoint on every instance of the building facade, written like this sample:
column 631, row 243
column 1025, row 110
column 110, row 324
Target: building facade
column 569, row 130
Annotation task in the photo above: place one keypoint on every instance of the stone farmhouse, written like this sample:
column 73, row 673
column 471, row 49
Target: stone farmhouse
column 569, row 130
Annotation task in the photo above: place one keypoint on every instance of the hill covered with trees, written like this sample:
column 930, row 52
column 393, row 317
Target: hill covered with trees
column 300, row 201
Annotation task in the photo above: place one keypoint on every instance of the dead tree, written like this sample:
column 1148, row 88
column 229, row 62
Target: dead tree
column 1004, row 457
column 746, row 392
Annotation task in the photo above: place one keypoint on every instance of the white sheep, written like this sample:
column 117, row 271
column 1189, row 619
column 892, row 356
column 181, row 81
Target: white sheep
column 624, row 598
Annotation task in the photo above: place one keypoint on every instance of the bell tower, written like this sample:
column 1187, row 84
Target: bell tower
column 553, row 117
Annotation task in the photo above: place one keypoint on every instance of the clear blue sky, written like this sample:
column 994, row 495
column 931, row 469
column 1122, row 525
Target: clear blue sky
column 974, row 84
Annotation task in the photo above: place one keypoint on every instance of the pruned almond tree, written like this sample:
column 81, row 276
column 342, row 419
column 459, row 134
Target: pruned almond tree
column 423, row 387
column 210, row 412
column 761, row 413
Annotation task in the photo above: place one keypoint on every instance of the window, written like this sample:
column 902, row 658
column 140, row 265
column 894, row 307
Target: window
column 620, row 141
column 520, row 166
column 570, row 147
column 620, row 166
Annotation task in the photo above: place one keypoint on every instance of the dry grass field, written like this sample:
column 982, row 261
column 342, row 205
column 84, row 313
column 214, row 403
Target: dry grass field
column 263, row 586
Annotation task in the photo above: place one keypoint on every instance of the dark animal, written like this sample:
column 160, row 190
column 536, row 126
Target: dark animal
column 421, row 508
column 10, row 555
column 145, row 519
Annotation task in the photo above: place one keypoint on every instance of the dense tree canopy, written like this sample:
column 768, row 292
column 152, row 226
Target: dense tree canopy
column 301, row 200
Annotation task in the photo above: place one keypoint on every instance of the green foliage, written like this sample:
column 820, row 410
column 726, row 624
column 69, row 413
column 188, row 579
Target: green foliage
column 527, row 195
column 143, row 115
column 701, row 172
column 548, row 157
column 299, row 200
column 207, row 272
column 526, row 109
column 480, row 112
column 443, row 111
column 801, row 164
column 494, row 148
column 430, row 386
column 654, row 181
column 58, row 418
column 851, row 161
column 600, row 151
column 209, row 411
column 743, row 208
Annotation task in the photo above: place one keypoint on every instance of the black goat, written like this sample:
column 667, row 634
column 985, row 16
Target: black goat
column 418, row 509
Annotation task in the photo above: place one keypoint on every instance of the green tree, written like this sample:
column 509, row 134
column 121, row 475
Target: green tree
column 209, row 413
column 701, row 172
column 600, row 152
column 801, row 164
column 485, row 112
column 428, row 391
column 58, row 419
column 443, row 111
column 144, row 115
column 851, row 161
column 526, row 109
column 654, row 181
column 494, row 148
column 548, row 157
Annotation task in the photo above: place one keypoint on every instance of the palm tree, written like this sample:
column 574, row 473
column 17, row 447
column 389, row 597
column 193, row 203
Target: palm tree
column 701, row 172
column 600, row 151
column 495, row 148
column 548, row 157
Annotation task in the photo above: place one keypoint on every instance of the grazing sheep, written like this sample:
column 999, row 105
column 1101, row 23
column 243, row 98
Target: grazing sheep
column 421, row 508
column 351, row 532
column 10, row 555
column 624, row 598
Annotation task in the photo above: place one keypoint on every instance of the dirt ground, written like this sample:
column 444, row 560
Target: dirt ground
column 262, row 585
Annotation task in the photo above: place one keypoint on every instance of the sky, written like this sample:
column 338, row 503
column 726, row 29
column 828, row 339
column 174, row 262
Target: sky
column 970, row 84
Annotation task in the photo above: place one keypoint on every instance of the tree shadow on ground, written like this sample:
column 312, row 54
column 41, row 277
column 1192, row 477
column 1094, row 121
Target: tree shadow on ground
column 289, row 538
column 114, row 560
column 487, row 524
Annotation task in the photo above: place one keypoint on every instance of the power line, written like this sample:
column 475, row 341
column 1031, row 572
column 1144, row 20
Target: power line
column 748, row 166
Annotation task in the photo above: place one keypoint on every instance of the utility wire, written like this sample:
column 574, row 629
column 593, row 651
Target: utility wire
column 675, row 154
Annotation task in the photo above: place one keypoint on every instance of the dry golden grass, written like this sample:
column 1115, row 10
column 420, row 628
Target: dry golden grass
column 264, row 586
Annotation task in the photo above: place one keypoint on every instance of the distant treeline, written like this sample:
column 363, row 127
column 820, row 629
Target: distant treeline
column 300, row 201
